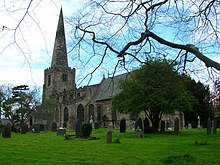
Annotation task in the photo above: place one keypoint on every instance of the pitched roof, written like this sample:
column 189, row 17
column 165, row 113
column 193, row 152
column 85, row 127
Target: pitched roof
column 109, row 87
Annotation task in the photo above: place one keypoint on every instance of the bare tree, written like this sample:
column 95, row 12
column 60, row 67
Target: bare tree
column 124, row 32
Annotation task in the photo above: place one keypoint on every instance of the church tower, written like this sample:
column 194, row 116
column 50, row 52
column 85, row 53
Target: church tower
column 59, row 77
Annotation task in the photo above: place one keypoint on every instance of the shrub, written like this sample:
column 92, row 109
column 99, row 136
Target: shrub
column 86, row 130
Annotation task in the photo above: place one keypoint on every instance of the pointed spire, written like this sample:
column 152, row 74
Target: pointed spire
column 59, row 58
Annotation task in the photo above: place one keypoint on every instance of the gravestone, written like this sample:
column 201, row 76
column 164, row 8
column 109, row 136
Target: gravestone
column 6, row 131
column 189, row 126
column 78, row 128
column 167, row 125
column 146, row 125
column 162, row 126
column 61, row 131
column 42, row 127
column 139, row 124
column 176, row 126
column 74, row 125
column 123, row 125
column 109, row 133
column 36, row 128
column 54, row 127
column 199, row 126
column 209, row 126
column 215, row 127
column 24, row 129
column 91, row 122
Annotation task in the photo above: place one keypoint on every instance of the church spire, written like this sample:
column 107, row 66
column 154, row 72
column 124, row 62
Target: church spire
column 59, row 58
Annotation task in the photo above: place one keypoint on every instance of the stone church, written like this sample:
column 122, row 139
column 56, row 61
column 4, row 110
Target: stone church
column 91, row 102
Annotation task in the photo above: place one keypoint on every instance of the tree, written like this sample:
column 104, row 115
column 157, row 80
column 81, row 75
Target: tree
column 215, row 97
column 132, row 31
column 20, row 103
column 155, row 89
column 202, row 106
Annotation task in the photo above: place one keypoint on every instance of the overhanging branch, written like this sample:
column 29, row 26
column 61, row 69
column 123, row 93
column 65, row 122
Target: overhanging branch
column 188, row 47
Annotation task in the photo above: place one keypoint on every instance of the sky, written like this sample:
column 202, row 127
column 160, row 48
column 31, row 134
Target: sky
column 26, row 46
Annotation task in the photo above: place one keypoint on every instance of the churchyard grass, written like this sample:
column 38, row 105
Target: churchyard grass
column 191, row 147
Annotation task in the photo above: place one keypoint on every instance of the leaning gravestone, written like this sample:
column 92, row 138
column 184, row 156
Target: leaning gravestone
column 209, row 126
column 54, row 127
column 78, row 128
column 146, row 125
column 162, row 126
column 109, row 133
column 176, row 126
column 215, row 127
column 6, row 131
column 123, row 125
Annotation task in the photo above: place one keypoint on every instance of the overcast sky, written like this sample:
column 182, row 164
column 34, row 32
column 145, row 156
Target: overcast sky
column 26, row 46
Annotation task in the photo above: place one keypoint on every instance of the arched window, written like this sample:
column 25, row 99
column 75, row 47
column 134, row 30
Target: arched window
column 80, row 112
column 99, row 117
column 91, row 111
column 66, row 114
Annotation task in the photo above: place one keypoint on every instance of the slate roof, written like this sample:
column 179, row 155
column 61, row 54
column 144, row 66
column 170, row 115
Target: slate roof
column 109, row 87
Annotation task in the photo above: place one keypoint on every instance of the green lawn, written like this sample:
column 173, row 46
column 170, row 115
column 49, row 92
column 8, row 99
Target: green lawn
column 48, row 148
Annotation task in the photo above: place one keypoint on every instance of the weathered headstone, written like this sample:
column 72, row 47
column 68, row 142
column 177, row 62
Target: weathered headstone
column 109, row 133
column 54, row 127
column 6, row 131
column 24, row 129
column 146, row 125
column 176, row 125
column 36, row 128
column 123, row 125
column 78, row 128
column 209, row 126
column 139, row 124
column 61, row 131
column 162, row 126
column 91, row 121
column 215, row 127
column 189, row 126
column 199, row 126
column 42, row 127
